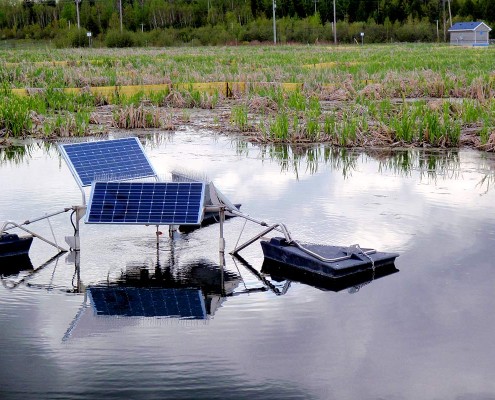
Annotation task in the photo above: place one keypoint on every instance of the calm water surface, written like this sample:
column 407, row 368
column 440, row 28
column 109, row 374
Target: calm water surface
column 424, row 332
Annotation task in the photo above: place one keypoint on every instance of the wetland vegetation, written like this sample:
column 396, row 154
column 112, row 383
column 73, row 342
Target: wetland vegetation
column 348, row 96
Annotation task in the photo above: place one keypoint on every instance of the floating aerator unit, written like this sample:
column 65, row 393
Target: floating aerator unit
column 112, row 169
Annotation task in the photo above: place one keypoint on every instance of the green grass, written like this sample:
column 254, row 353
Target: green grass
column 15, row 119
column 366, row 81
column 239, row 117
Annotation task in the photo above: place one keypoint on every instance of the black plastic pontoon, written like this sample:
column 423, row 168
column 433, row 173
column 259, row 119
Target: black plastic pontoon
column 329, row 261
column 354, row 281
column 11, row 245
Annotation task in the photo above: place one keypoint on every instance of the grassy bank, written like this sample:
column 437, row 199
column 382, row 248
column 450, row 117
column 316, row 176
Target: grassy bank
column 417, row 94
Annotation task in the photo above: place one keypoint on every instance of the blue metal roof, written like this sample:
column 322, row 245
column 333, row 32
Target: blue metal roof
column 466, row 26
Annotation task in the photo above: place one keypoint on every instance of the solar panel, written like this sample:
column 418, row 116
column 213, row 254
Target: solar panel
column 148, row 302
column 116, row 159
column 146, row 203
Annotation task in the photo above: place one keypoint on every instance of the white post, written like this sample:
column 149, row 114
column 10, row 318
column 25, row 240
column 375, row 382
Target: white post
column 334, row 24
column 221, row 215
column 450, row 15
column 120, row 11
column 444, row 23
column 77, row 13
column 274, row 5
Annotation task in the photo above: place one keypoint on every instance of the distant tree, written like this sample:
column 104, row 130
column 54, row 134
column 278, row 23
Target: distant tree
column 257, row 7
column 69, row 12
column 467, row 9
column 487, row 10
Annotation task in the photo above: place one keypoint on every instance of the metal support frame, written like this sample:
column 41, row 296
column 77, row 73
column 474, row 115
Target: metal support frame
column 280, row 227
column 15, row 225
column 74, row 242
column 30, row 221
column 221, row 212
column 283, row 228
column 11, row 225
column 354, row 249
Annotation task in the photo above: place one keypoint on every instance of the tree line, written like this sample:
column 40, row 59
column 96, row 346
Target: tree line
column 170, row 22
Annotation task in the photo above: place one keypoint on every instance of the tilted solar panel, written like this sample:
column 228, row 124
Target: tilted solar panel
column 115, row 159
column 146, row 203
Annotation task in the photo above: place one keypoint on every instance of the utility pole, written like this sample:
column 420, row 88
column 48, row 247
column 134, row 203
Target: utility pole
column 120, row 11
column 450, row 15
column 334, row 24
column 315, row 1
column 274, row 5
column 77, row 14
column 444, row 23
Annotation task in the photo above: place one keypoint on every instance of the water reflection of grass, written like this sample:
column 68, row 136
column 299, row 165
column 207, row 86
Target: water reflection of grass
column 428, row 163
column 488, row 181
column 17, row 154
column 431, row 164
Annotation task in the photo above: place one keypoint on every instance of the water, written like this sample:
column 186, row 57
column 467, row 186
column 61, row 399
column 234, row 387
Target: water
column 424, row 332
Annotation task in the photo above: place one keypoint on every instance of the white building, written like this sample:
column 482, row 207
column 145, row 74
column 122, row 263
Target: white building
column 469, row 34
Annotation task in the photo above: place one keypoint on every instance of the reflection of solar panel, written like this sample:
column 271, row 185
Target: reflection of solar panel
column 148, row 302
column 160, row 203
column 109, row 159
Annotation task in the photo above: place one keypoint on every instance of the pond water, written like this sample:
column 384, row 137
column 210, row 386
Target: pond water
column 423, row 332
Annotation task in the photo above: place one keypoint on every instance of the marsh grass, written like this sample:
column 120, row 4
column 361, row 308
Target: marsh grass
column 130, row 117
column 239, row 117
column 371, row 86
column 297, row 101
column 15, row 120
column 279, row 127
column 68, row 124
column 158, row 98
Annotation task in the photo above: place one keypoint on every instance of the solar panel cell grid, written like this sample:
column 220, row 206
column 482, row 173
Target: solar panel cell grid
column 110, row 159
column 161, row 203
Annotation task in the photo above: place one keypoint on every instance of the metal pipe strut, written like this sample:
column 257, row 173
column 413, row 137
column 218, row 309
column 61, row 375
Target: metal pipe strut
column 30, row 221
column 337, row 259
column 16, row 225
column 282, row 227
